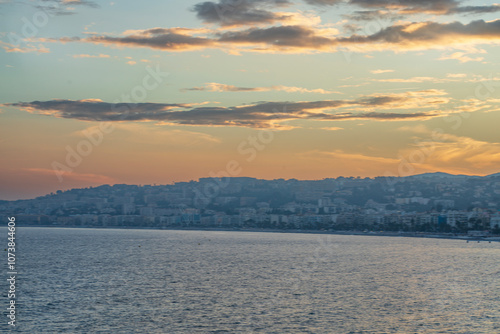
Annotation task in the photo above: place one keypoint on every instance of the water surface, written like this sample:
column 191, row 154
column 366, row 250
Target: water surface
column 149, row 281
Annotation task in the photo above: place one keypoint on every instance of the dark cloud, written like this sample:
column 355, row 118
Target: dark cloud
column 157, row 38
column 259, row 115
column 239, row 12
column 96, row 110
column 282, row 36
column 179, row 39
column 430, row 34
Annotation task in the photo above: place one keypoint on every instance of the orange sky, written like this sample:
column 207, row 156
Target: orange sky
column 163, row 92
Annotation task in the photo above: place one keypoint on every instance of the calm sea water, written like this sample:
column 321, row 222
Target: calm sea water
column 145, row 281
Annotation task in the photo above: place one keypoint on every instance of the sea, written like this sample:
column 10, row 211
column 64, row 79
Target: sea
column 81, row 280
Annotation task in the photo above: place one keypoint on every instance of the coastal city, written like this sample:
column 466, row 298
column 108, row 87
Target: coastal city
column 433, row 202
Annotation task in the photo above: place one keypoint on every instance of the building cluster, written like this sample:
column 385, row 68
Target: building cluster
column 427, row 202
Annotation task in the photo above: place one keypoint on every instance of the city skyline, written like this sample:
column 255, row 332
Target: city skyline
column 218, row 183
column 153, row 93
column 433, row 202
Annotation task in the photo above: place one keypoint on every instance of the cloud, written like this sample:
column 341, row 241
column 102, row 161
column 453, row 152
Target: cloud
column 280, row 38
column 236, row 13
column 369, row 15
column 293, row 38
column 356, row 162
column 450, row 77
column 289, row 89
column 307, row 39
column 381, row 71
column 491, row 82
column 97, row 110
column 152, row 135
column 456, row 75
column 409, row 6
column 91, row 56
column 354, row 85
column 414, row 79
column 340, row 154
column 426, row 35
column 434, row 152
column 259, row 115
column 218, row 87
column 448, row 151
column 63, row 7
column 332, row 128
column 172, row 39
column 73, row 176
column 27, row 48
column 474, row 9
column 461, row 57
column 232, row 13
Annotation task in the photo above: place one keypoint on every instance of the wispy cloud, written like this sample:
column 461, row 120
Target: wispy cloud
column 381, row 71
column 456, row 75
column 332, row 128
column 414, row 79
column 151, row 135
column 448, row 150
column 25, row 48
column 73, row 176
column 451, row 77
column 461, row 57
column 91, row 56
column 218, row 87
column 63, row 7
column 356, row 162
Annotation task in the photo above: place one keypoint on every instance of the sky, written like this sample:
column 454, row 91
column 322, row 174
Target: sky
column 155, row 92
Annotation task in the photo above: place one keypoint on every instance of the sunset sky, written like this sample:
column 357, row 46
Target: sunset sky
column 145, row 92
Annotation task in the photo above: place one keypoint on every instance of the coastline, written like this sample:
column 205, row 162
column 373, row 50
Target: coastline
column 428, row 235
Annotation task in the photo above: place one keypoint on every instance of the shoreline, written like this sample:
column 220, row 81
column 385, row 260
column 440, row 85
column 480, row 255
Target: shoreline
column 428, row 235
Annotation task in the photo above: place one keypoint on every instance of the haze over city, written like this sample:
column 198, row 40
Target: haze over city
column 154, row 92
